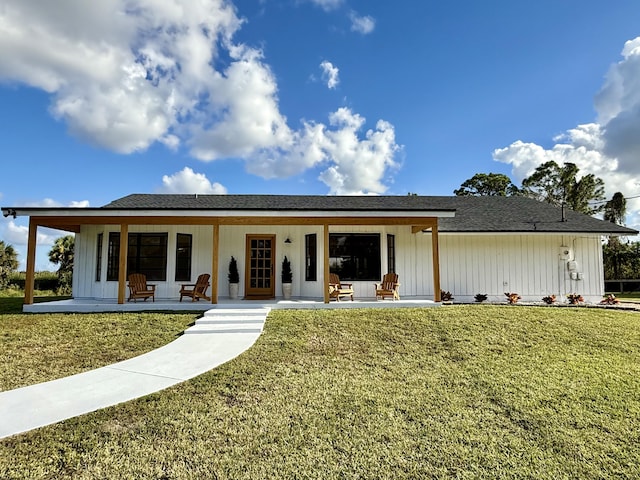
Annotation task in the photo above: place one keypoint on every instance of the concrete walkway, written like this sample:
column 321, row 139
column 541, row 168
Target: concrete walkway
column 221, row 335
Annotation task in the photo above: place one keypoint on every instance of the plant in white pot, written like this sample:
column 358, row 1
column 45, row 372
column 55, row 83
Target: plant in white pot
column 234, row 279
column 287, row 278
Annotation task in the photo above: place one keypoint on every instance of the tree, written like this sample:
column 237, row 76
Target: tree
column 62, row 254
column 615, row 255
column 615, row 209
column 621, row 260
column 8, row 262
column 487, row 184
column 559, row 185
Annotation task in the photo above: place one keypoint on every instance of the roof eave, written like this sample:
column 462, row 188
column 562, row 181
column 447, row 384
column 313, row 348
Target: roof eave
column 190, row 212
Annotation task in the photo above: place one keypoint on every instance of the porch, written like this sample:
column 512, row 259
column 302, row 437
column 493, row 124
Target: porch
column 89, row 305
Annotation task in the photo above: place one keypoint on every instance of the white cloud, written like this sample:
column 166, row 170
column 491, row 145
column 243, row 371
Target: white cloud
column 248, row 118
column 354, row 165
column 328, row 5
column 96, row 58
column 18, row 235
column 125, row 74
column 618, row 106
column 358, row 165
column 187, row 181
column 330, row 74
column 363, row 24
column 51, row 203
column 608, row 148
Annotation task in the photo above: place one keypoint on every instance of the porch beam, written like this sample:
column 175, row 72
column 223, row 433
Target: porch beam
column 215, row 248
column 435, row 249
column 29, row 281
column 73, row 224
column 422, row 228
column 122, row 265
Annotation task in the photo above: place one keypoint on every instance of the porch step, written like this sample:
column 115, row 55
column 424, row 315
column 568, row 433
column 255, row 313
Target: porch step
column 237, row 312
column 230, row 320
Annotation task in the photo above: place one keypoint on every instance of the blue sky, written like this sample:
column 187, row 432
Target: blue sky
column 102, row 99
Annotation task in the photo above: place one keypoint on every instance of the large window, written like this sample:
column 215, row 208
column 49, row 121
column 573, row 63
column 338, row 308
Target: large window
column 147, row 254
column 355, row 256
column 311, row 260
column 183, row 257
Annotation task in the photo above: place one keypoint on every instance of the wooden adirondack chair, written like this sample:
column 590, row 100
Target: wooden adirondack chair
column 196, row 290
column 338, row 289
column 388, row 287
column 139, row 288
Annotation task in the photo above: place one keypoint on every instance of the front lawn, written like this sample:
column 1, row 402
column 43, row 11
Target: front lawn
column 39, row 347
column 473, row 391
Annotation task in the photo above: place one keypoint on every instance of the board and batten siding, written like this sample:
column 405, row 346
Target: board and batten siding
column 530, row 265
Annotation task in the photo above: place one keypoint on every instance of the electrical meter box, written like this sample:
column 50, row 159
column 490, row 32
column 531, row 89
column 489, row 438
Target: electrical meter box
column 565, row 253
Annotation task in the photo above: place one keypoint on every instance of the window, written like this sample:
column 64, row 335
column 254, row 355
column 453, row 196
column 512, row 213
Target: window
column 99, row 257
column 355, row 256
column 311, row 260
column 147, row 254
column 391, row 253
column 113, row 256
column 183, row 257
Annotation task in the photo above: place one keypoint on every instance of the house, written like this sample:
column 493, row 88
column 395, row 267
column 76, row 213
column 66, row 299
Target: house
column 465, row 245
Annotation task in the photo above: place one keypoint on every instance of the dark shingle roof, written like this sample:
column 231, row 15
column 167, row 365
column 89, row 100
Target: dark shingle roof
column 472, row 214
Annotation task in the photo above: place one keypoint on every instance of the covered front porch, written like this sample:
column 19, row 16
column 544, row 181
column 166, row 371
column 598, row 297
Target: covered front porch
column 87, row 305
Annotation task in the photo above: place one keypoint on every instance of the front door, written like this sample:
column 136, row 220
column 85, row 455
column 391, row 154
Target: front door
column 259, row 275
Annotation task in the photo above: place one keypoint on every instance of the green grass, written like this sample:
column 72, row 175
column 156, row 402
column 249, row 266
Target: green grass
column 456, row 392
column 40, row 347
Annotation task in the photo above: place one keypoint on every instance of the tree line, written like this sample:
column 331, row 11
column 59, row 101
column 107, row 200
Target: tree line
column 561, row 185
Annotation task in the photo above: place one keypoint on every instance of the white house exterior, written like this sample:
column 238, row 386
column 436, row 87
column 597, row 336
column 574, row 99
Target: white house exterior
column 464, row 245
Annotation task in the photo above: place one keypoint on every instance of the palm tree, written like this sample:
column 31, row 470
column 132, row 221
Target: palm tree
column 62, row 253
column 8, row 262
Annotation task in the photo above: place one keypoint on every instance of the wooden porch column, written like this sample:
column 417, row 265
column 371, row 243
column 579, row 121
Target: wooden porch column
column 326, row 263
column 31, row 263
column 122, row 265
column 215, row 249
column 436, row 261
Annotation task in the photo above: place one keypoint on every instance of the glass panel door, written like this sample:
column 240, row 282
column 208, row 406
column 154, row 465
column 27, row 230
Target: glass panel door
column 260, row 268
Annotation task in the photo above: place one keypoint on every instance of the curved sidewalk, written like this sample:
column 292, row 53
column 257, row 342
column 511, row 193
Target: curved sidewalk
column 216, row 338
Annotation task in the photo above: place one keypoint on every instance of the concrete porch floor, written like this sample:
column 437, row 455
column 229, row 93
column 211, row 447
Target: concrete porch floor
column 87, row 305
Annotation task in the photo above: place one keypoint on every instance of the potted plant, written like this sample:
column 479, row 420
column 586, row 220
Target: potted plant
column 446, row 297
column 234, row 279
column 287, row 278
